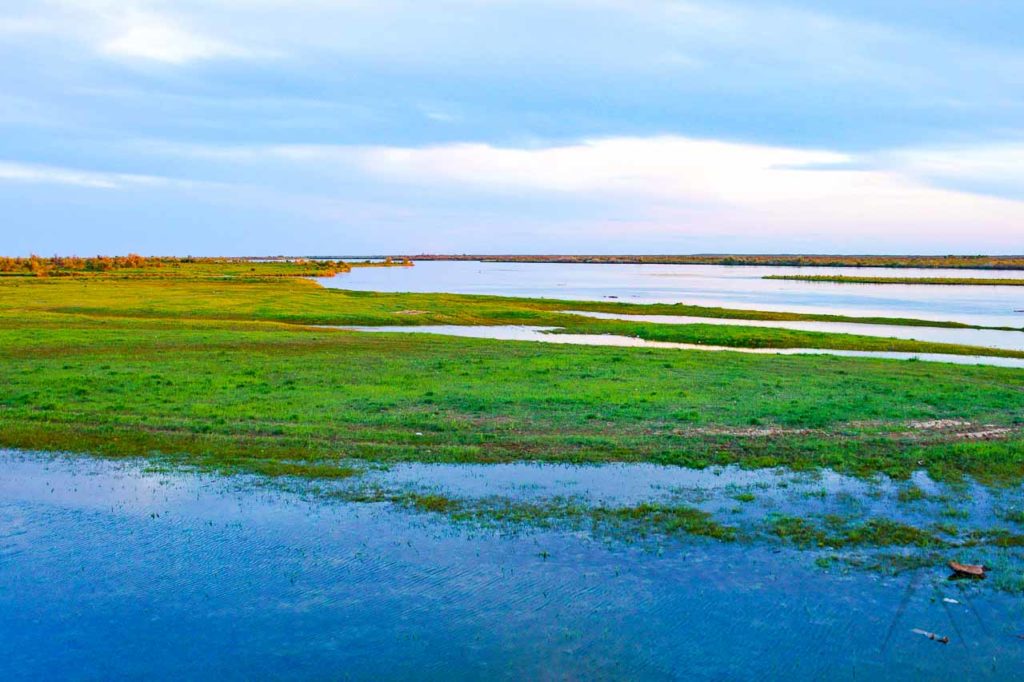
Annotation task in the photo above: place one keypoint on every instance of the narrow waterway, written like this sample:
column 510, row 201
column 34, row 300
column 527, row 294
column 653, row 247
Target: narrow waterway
column 546, row 335
column 988, row 338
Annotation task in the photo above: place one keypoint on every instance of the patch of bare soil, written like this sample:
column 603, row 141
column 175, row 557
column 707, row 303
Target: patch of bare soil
column 746, row 431
column 939, row 424
column 954, row 429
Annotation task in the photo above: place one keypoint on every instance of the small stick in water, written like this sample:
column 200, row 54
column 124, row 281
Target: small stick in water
column 932, row 636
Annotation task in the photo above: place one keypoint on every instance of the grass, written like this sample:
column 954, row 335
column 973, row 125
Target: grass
column 911, row 493
column 952, row 281
column 227, row 374
column 633, row 521
column 837, row 533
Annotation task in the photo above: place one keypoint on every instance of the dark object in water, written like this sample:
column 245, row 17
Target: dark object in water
column 976, row 571
column 932, row 636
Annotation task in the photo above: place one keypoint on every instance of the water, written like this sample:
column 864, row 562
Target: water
column 109, row 571
column 711, row 285
column 544, row 335
column 989, row 338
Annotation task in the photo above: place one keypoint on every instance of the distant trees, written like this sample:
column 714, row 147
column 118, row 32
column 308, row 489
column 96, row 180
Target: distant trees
column 134, row 265
column 64, row 265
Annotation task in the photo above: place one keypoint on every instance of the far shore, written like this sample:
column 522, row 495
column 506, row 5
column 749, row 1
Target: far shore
column 1008, row 262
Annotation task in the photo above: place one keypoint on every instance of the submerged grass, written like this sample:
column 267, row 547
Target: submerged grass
column 636, row 521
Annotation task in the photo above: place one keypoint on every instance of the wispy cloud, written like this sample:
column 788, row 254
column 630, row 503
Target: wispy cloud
column 11, row 171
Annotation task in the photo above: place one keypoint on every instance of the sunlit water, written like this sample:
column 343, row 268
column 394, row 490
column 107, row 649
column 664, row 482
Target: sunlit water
column 547, row 335
column 712, row 285
column 108, row 571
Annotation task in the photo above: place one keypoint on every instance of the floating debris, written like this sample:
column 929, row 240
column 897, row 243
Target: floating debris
column 932, row 636
column 950, row 601
column 976, row 571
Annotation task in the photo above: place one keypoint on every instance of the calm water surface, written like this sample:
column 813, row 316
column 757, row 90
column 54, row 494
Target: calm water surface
column 711, row 285
column 545, row 335
column 108, row 571
column 989, row 338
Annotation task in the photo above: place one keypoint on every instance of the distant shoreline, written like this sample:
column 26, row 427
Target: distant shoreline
column 793, row 260
column 941, row 281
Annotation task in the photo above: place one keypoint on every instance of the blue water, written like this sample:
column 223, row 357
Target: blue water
column 711, row 285
column 111, row 571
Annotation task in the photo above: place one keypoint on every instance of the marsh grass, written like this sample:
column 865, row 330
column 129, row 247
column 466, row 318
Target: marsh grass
column 949, row 281
column 226, row 373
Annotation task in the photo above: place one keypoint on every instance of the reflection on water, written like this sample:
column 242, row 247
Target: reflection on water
column 710, row 285
column 544, row 335
column 989, row 338
column 107, row 571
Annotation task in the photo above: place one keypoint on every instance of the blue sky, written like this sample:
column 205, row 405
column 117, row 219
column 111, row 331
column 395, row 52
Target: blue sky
column 501, row 126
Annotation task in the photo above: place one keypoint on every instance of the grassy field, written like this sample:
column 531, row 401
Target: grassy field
column 226, row 374
column 949, row 281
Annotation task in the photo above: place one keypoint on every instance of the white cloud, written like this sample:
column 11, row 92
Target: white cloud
column 665, row 184
column 737, row 184
column 171, row 33
column 159, row 39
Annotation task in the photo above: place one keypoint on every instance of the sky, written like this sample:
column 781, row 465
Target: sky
column 364, row 127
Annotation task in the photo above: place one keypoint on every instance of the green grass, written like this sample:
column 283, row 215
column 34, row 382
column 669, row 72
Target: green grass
column 835, row 533
column 953, row 281
column 639, row 520
column 911, row 493
column 218, row 374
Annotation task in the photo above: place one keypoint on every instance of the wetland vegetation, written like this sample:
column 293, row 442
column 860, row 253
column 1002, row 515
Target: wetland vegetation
column 844, row 471
column 945, row 281
column 800, row 260
column 230, row 372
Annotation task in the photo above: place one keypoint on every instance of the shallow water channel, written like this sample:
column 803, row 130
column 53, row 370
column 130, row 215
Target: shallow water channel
column 547, row 335
column 988, row 338
column 112, row 570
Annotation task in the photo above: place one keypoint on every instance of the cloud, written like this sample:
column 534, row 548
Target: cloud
column 159, row 39
column 993, row 167
column 668, row 184
column 11, row 171
column 744, row 183
column 129, row 29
